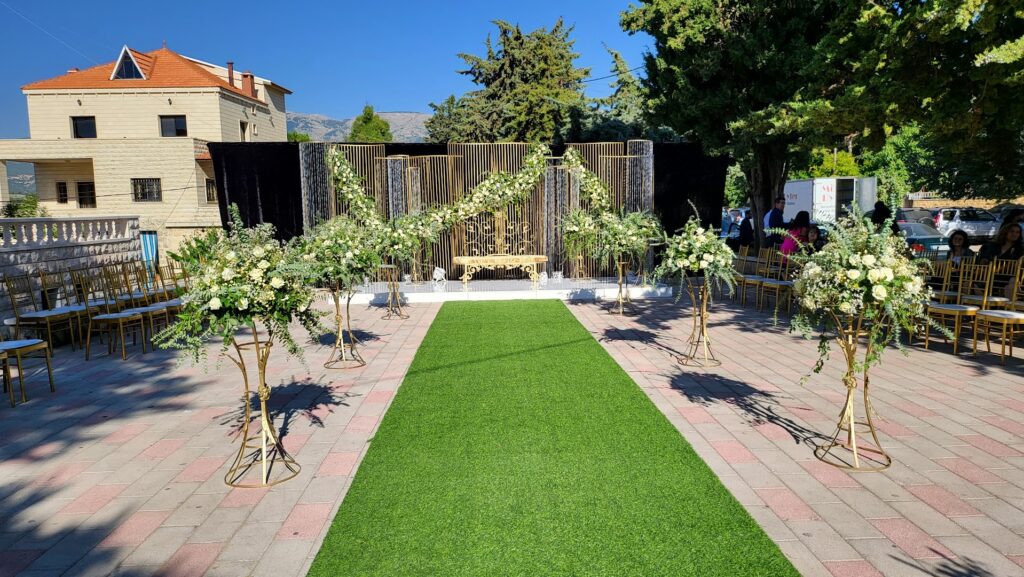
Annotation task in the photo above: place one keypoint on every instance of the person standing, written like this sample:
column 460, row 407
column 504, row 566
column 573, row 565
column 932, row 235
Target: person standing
column 747, row 230
column 775, row 219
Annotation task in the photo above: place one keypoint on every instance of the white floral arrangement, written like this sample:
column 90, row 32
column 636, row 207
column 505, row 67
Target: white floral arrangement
column 337, row 254
column 861, row 275
column 238, row 278
column 698, row 251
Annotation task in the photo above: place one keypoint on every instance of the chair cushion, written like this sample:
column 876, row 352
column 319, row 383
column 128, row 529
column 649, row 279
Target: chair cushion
column 45, row 314
column 951, row 308
column 116, row 316
column 70, row 309
column 991, row 299
column 1015, row 316
column 19, row 344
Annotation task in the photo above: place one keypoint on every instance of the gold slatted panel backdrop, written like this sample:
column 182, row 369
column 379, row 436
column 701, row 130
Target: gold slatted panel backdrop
column 361, row 157
column 440, row 183
column 606, row 160
column 479, row 160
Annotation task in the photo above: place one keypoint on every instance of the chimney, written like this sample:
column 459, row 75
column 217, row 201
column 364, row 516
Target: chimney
column 248, row 86
column 231, row 73
column 72, row 70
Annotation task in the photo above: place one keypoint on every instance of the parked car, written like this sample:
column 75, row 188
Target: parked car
column 924, row 240
column 980, row 225
column 920, row 215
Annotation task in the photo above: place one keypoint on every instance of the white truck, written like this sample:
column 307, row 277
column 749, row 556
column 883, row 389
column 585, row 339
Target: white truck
column 827, row 199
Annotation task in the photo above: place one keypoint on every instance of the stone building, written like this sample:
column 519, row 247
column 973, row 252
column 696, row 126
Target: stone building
column 129, row 138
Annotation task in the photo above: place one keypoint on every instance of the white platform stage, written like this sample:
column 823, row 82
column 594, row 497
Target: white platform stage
column 593, row 289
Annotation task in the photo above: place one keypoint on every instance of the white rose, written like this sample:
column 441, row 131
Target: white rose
column 348, row 254
column 263, row 264
column 243, row 304
column 879, row 293
column 231, row 255
column 256, row 274
column 886, row 273
column 227, row 274
column 853, row 274
column 277, row 282
column 258, row 252
column 845, row 307
column 855, row 259
column 214, row 304
column 868, row 260
column 876, row 275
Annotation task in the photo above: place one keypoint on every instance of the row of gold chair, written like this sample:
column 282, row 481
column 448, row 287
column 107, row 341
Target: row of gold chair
column 769, row 274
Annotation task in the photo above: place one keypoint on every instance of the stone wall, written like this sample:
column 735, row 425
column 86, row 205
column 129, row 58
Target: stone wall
column 28, row 245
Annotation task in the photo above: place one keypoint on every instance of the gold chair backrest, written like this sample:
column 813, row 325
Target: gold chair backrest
column 92, row 283
column 740, row 260
column 938, row 277
column 1004, row 272
column 779, row 269
column 54, row 289
column 764, row 261
column 975, row 280
column 21, row 293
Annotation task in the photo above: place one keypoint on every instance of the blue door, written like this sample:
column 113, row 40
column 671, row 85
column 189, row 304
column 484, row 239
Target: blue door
column 150, row 252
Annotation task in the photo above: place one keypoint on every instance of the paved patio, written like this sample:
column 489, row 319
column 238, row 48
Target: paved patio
column 951, row 505
column 120, row 472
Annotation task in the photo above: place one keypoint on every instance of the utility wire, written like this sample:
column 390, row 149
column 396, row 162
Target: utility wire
column 612, row 75
column 47, row 32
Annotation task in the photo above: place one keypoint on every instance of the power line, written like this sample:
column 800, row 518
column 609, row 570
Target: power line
column 47, row 32
column 612, row 75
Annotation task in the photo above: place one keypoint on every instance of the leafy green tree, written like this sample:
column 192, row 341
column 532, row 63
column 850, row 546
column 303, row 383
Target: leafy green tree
column 902, row 166
column 955, row 67
column 368, row 127
column 296, row 136
column 824, row 162
column 726, row 73
column 737, row 189
column 529, row 87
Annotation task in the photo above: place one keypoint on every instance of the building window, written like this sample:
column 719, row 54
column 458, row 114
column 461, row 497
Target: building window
column 83, row 126
column 62, row 193
column 146, row 190
column 173, row 126
column 86, row 195
column 211, row 191
column 243, row 131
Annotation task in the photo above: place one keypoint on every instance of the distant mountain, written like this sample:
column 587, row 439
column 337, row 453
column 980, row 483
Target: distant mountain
column 21, row 177
column 405, row 126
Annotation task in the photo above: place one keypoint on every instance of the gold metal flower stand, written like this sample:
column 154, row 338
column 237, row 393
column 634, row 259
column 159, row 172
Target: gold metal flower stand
column 844, row 450
column 394, row 302
column 699, row 352
column 261, row 450
column 622, row 298
column 344, row 355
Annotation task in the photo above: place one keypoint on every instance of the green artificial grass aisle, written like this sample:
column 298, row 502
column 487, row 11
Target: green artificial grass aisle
column 517, row 446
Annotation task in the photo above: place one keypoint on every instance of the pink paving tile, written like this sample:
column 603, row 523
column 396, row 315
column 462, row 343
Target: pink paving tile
column 828, row 475
column 361, row 424
column 1013, row 404
column 774, row 431
column 912, row 408
column 242, row 498
column 125, row 433
column 62, row 474
column 199, row 470
column 293, row 442
column 1015, row 427
column 337, row 464
column 208, row 414
column 162, row 449
column 912, row 540
column 39, row 452
column 191, row 560
column 733, row 452
column 696, row 415
column 135, row 529
column 379, row 396
column 1018, row 559
column 859, row 568
column 990, row 445
column 787, row 504
column 808, row 414
column 942, row 500
column 970, row 471
column 305, row 521
column 12, row 562
column 894, row 429
column 93, row 500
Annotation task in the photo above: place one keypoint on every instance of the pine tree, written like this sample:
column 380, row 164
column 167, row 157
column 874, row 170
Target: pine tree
column 368, row 127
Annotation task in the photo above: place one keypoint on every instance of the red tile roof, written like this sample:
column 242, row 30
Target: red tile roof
column 163, row 68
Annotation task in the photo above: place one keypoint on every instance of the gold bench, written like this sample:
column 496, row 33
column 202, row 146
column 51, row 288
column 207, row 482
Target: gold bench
column 493, row 245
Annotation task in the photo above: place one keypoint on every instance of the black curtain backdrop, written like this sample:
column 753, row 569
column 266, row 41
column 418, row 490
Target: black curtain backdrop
column 263, row 179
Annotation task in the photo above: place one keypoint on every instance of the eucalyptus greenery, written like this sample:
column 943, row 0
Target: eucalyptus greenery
column 696, row 250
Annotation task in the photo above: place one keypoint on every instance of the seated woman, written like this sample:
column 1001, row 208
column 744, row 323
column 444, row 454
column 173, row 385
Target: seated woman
column 1007, row 245
column 814, row 240
column 958, row 248
column 797, row 235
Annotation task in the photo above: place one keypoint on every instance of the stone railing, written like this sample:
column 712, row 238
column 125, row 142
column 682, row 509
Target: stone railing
column 21, row 234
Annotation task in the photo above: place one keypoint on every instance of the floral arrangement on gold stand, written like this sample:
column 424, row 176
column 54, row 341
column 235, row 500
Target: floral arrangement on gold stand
column 702, row 260
column 861, row 286
column 241, row 280
column 338, row 255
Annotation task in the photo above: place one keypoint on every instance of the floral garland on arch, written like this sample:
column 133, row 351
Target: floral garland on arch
column 238, row 278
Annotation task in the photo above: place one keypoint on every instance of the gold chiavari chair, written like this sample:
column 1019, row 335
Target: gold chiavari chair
column 778, row 283
column 1018, row 292
column 997, row 316
column 110, row 319
column 19, row 350
column 28, row 315
column 760, row 272
column 972, row 278
column 62, row 297
column 939, row 279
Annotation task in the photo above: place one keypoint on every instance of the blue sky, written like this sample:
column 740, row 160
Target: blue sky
column 335, row 56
